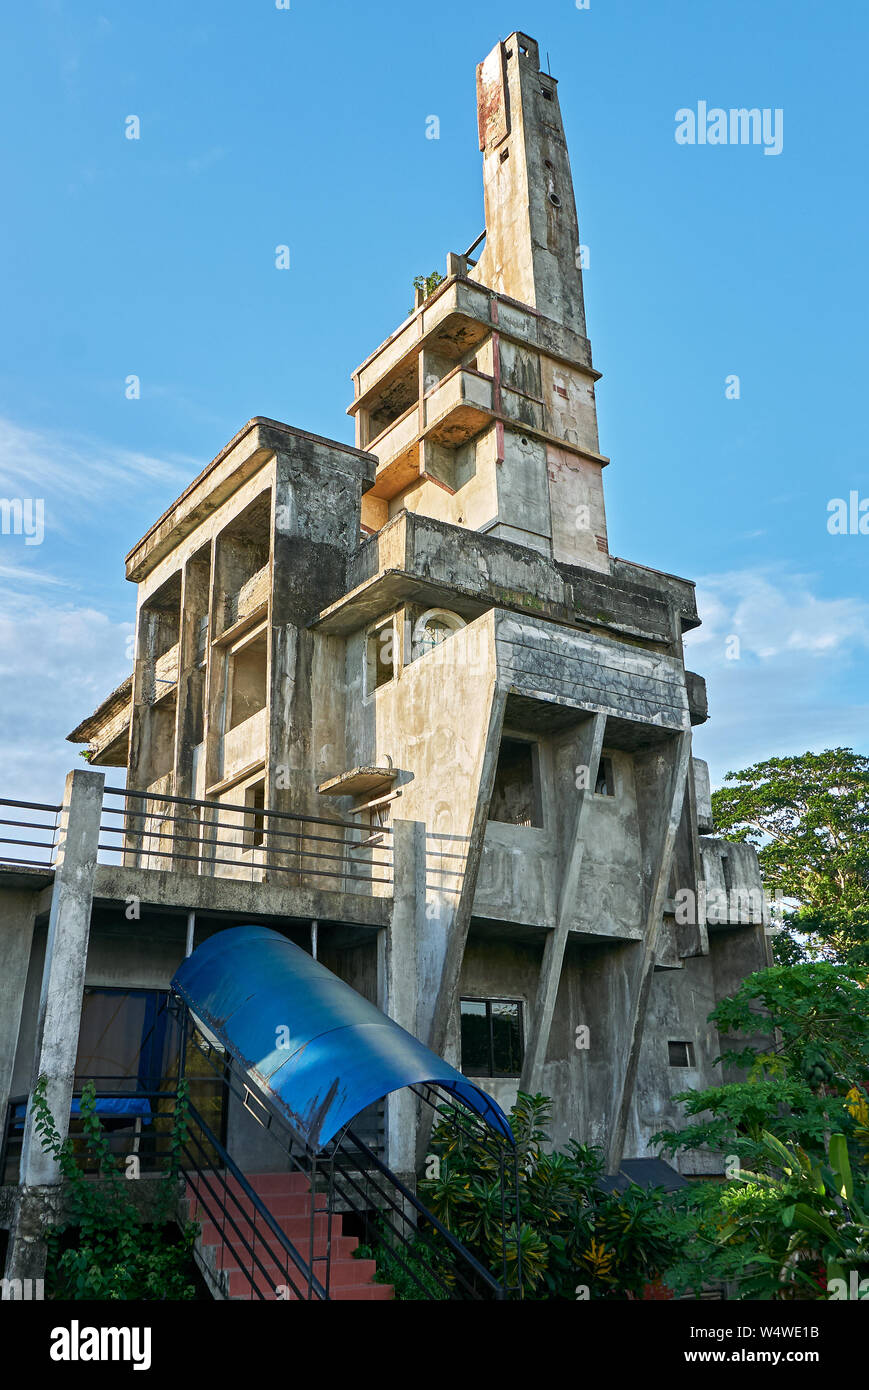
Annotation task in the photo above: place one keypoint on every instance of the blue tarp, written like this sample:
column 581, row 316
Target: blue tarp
column 319, row 1051
column 112, row 1107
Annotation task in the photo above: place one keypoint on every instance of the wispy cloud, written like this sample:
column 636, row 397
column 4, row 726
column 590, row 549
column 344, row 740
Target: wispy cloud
column 778, row 660
column 68, row 470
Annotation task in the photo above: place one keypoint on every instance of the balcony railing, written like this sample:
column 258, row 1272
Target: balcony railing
column 250, row 842
column 30, row 842
column 215, row 839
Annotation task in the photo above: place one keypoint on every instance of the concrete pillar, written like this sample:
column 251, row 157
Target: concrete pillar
column 16, row 938
column 398, row 982
column 64, row 971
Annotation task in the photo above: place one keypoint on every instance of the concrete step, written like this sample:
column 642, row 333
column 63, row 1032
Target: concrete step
column 232, row 1252
column 290, row 1202
column 238, row 1204
column 348, row 1279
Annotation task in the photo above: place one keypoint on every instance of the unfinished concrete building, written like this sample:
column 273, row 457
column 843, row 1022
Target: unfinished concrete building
column 399, row 702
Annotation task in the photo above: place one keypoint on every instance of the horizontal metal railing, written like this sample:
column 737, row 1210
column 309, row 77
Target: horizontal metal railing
column 151, row 1124
column 13, row 847
column 227, row 839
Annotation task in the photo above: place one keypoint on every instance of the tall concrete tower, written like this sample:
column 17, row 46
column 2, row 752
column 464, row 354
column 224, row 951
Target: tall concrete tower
column 481, row 406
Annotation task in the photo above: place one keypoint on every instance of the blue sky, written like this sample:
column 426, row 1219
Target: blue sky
column 307, row 127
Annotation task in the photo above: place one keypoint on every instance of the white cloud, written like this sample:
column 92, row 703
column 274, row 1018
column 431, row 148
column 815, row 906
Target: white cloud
column 57, row 663
column 787, row 690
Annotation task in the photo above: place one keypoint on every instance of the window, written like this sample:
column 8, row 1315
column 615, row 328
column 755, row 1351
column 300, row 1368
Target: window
column 202, row 641
column 492, row 1042
column 727, row 871
column 380, row 657
column 254, row 817
column 433, row 627
column 516, row 793
column 681, row 1054
column 248, row 680
column 124, row 1041
column 604, row 783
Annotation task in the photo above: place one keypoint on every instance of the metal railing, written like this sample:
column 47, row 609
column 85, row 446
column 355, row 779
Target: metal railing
column 13, row 847
column 249, row 1232
column 250, row 841
column 148, row 1113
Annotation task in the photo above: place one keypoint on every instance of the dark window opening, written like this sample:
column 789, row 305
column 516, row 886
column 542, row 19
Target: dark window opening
column 547, row 95
column 516, row 793
column 492, row 1043
column 604, row 784
column 681, row 1054
column 505, row 154
column 254, row 820
column 380, row 657
column 727, row 870
column 249, row 681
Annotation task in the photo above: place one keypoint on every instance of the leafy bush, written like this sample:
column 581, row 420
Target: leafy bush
column 575, row 1240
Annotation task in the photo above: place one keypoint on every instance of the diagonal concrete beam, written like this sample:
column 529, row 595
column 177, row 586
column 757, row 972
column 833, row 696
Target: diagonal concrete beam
column 588, row 754
column 662, row 811
column 455, row 951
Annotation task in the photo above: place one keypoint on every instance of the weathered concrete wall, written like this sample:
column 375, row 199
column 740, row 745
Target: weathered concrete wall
column 17, row 916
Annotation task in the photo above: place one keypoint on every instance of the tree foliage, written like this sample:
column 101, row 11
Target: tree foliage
column 808, row 818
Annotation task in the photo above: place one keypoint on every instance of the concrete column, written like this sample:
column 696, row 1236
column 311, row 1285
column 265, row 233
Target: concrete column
column 16, row 938
column 398, row 982
column 64, row 971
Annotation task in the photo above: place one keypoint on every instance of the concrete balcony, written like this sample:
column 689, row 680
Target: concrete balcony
column 250, row 600
column 107, row 730
column 459, row 406
column 454, row 410
column 397, row 450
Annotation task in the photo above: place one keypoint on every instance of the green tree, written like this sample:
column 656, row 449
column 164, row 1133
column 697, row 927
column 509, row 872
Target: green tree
column 808, row 818
column 801, row 1084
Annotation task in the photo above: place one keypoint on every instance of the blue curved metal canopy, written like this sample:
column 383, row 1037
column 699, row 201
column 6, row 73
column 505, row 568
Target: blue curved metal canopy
column 342, row 1053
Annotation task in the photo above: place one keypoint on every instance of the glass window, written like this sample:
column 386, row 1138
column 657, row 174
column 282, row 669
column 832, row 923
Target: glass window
column 491, row 1037
column 123, row 1039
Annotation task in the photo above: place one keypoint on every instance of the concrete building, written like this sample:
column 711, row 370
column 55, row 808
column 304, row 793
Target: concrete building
column 416, row 716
